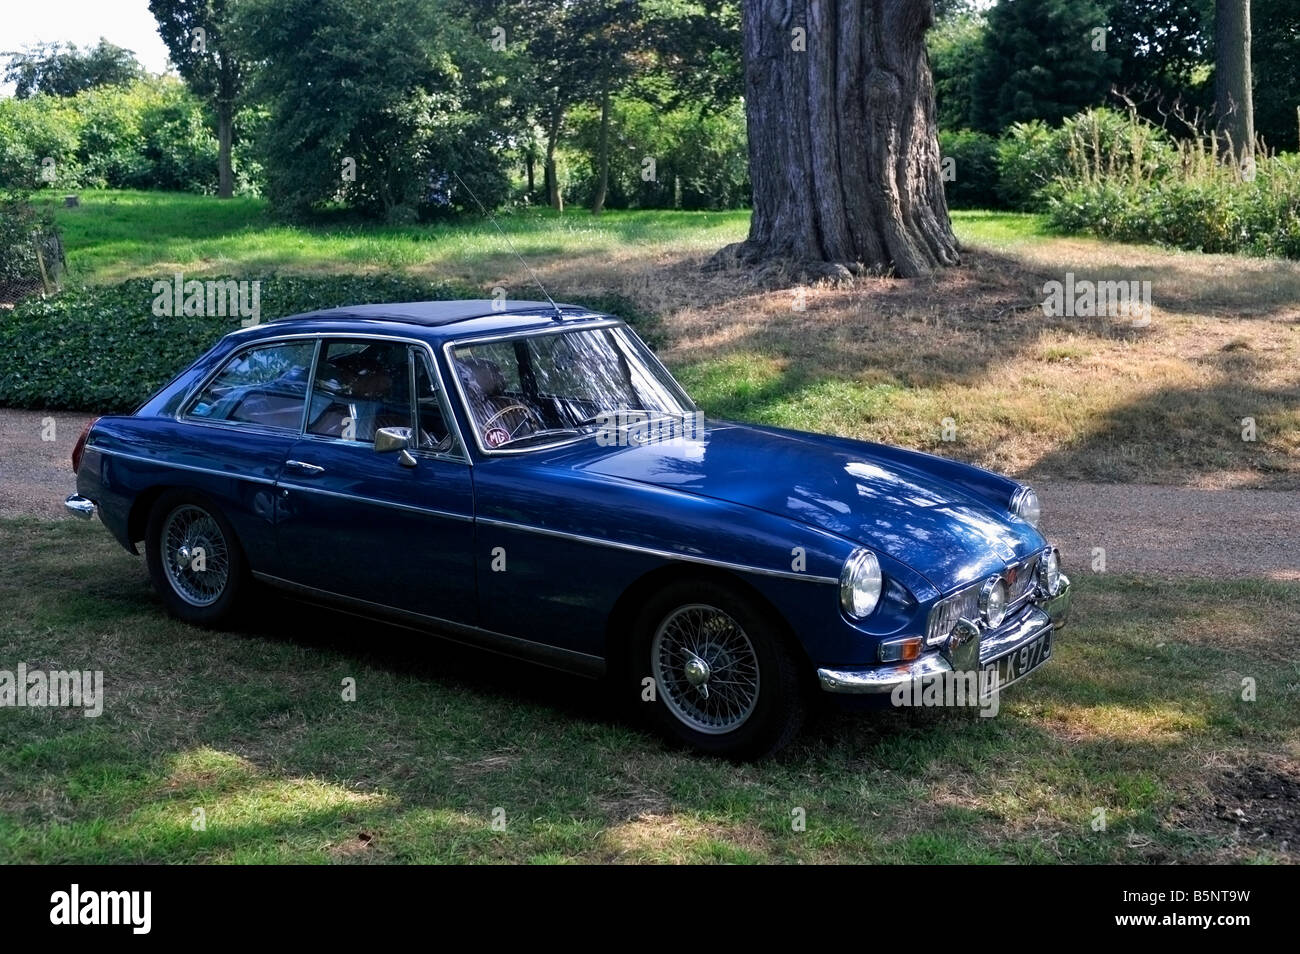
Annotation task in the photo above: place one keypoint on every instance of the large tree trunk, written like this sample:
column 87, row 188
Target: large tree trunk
column 843, row 148
column 1234, row 104
column 602, row 147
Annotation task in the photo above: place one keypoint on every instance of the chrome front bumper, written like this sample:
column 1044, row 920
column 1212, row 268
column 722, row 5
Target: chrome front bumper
column 1050, row 613
column 80, row 506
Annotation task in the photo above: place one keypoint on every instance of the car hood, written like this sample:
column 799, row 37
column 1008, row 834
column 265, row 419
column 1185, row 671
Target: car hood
column 943, row 531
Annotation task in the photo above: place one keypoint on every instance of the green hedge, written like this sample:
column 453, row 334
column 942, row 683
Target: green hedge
column 102, row 349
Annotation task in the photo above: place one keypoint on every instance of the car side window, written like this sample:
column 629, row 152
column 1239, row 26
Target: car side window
column 265, row 385
column 432, row 413
column 360, row 387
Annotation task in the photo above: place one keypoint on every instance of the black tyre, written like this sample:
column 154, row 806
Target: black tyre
column 194, row 558
column 714, row 673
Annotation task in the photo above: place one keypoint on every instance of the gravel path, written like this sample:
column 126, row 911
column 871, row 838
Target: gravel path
column 36, row 474
column 1141, row 528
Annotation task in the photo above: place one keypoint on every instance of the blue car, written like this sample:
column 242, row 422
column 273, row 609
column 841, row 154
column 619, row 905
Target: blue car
column 528, row 478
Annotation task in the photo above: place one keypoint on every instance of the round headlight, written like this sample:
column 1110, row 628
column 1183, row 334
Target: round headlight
column 993, row 602
column 1051, row 572
column 860, row 584
column 1024, row 504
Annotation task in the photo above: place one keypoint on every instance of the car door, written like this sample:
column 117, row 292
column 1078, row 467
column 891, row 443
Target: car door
column 231, row 438
column 392, row 529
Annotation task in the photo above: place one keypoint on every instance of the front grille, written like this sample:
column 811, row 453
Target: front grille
column 965, row 603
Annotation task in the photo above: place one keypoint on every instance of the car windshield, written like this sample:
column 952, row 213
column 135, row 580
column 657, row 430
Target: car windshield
column 536, row 390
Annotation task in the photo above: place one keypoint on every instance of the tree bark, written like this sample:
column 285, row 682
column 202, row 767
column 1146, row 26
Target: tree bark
column 843, row 147
column 225, row 134
column 1234, row 104
column 553, row 193
column 602, row 148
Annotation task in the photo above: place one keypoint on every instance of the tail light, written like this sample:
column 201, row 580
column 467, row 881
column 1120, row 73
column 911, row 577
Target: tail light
column 80, row 447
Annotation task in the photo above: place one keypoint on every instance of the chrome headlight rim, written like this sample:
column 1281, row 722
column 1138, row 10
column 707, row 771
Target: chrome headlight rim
column 1026, row 505
column 993, row 608
column 1049, row 572
column 860, row 576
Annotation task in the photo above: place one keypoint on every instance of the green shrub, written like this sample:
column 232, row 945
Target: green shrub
column 972, row 159
column 1096, row 143
column 152, row 134
column 1205, row 211
column 22, row 227
column 103, row 349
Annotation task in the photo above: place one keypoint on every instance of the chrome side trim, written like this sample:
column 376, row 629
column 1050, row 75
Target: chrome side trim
column 666, row 554
column 80, row 506
column 166, row 463
column 428, row 511
column 554, row 657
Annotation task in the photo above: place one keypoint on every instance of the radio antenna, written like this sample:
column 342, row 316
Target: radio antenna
column 559, row 315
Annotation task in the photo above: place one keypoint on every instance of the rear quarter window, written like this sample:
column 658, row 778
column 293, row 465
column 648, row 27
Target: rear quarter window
column 264, row 386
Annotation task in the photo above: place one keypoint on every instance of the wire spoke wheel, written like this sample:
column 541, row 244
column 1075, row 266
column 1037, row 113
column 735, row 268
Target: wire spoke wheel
column 706, row 668
column 195, row 555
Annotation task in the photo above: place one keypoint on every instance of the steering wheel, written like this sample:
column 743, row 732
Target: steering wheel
column 528, row 411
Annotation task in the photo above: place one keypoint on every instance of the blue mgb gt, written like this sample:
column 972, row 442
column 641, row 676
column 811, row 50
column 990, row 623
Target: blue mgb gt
column 531, row 480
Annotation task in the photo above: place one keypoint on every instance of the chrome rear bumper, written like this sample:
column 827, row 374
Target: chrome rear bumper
column 80, row 506
column 1051, row 613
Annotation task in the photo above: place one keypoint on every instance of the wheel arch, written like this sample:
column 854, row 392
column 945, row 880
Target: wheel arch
column 623, row 615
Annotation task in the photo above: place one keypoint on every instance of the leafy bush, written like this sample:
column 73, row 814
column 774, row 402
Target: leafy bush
column 1095, row 144
column 1123, row 178
column 152, row 134
column 974, row 169
column 22, row 227
column 103, row 349
column 701, row 160
column 1206, row 213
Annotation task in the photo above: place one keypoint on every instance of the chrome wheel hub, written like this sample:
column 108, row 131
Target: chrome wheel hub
column 195, row 557
column 706, row 669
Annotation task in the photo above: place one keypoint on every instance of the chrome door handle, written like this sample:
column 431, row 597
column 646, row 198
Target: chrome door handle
column 303, row 467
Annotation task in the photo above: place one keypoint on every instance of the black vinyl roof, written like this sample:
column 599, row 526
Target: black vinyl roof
column 435, row 313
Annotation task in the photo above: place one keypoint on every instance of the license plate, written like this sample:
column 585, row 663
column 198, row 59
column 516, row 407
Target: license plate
column 1017, row 663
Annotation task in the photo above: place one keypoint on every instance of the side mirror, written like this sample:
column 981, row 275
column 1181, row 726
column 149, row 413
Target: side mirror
column 389, row 439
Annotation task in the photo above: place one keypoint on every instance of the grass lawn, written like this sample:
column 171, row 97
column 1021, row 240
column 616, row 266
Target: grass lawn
column 966, row 355
column 1139, row 716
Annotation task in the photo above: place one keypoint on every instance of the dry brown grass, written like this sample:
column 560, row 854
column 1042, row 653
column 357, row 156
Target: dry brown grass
column 1083, row 398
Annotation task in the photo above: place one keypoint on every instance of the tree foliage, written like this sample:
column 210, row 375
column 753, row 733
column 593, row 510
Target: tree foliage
column 61, row 69
column 376, row 103
column 1042, row 59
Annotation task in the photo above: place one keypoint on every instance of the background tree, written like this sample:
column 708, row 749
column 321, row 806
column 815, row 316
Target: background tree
column 1234, row 105
column 1041, row 60
column 1275, row 63
column 369, row 106
column 1163, row 47
column 843, row 150
column 64, row 70
column 197, row 35
column 956, row 45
